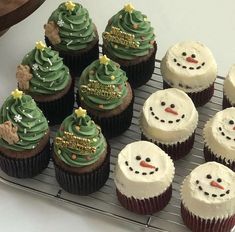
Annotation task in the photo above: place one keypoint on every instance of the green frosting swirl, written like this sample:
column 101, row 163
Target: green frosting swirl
column 102, row 74
column 143, row 33
column 76, row 29
column 87, row 130
column 32, row 124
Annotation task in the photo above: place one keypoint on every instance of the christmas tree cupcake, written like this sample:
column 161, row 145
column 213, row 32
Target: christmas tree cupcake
column 46, row 79
column 24, row 137
column 130, row 41
column 71, row 32
column 104, row 91
column 81, row 154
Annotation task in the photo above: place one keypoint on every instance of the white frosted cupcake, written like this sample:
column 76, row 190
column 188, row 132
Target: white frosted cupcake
column 208, row 198
column 229, row 89
column 191, row 67
column 169, row 119
column 219, row 138
column 143, row 177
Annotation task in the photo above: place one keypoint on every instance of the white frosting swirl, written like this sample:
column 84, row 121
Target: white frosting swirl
column 219, row 134
column 209, row 191
column 168, row 116
column 189, row 66
column 143, row 170
column 229, row 85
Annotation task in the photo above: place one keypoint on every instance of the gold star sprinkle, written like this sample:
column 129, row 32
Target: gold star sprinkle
column 104, row 60
column 80, row 112
column 77, row 128
column 112, row 77
column 40, row 45
column 17, row 94
column 129, row 8
column 70, row 5
column 73, row 157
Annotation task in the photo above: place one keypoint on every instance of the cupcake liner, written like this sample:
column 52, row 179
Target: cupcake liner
column 25, row 167
column 177, row 150
column 57, row 110
column 199, row 98
column 77, row 61
column 198, row 224
column 210, row 156
column 140, row 72
column 226, row 102
column 84, row 183
column 147, row 205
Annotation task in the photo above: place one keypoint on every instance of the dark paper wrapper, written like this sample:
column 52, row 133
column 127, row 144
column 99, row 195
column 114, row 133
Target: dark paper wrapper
column 198, row 98
column 85, row 183
column 139, row 73
column 210, row 156
column 25, row 167
column 177, row 150
column 56, row 111
column 226, row 103
column 78, row 61
column 198, row 224
column 147, row 205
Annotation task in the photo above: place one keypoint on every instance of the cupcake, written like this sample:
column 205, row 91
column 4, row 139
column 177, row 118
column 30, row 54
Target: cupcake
column 130, row 41
column 219, row 138
column 46, row 79
column 169, row 119
column 229, row 89
column 24, row 137
column 71, row 32
column 208, row 198
column 143, row 177
column 104, row 91
column 191, row 67
column 81, row 154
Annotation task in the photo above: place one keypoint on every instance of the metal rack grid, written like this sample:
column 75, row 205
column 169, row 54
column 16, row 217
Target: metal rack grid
column 105, row 201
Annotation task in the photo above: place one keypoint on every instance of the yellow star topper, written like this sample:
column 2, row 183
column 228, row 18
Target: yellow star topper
column 40, row 45
column 80, row 112
column 104, row 60
column 17, row 94
column 70, row 5
column 129, row 8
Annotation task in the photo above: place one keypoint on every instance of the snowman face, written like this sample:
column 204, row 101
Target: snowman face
column 226, row 128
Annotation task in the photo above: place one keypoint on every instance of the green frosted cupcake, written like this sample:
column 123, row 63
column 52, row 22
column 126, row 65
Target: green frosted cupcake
column 72, row 33
column 24, row 137
column 104, row 91
column 43, row 76
column 81, row 154
column 130, row 41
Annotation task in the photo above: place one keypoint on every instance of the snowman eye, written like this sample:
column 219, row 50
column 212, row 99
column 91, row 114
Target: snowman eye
column 231, row 122
column 219, row 180
column 138, row 157
column 172, row 106
column 163, row 103
column 208, row 176
column 148, row 159
column 193, row 56
column 184, row 54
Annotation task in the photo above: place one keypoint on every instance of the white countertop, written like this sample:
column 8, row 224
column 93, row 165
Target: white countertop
column 211, row 22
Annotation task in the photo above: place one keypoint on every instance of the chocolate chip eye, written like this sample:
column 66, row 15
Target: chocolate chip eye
column 208, row 176
column 231, row 122
column 163, row 103
column 184, row 54
column 148, row 159
column 219, row 180
column 172, row 106
column 138, row 157
column 193, row 56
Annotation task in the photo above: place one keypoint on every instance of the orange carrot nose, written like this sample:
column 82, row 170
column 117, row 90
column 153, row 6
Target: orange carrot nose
column 169, row 110
column 191, row 60
column 217, row 185
column 146, row 165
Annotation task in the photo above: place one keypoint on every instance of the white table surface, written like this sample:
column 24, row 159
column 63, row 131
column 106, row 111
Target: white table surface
column 211, row 22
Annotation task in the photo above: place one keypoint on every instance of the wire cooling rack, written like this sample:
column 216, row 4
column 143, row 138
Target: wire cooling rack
column 105, row 201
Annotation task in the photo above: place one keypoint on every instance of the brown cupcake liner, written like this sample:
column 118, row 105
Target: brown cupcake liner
column 77, row 61
column 25, row 167
column 177, row 150
column 226, row 102
column 199, row 98
column 210, row 156
column 198, row 224
column 147, row 205
column 84, row 183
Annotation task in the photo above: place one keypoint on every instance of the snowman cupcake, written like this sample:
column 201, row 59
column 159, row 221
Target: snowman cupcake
column 191, row 67
column 169, row 119
column 219, row 138
column 143, row 177
column 208, row 198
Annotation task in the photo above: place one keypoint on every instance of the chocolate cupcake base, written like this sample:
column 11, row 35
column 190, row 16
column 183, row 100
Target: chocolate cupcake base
column 210, row 156
column 198, row 224
column 199, row 98
column 177, row 150
column 25, row 167
column 226, row 103
column 147, row 205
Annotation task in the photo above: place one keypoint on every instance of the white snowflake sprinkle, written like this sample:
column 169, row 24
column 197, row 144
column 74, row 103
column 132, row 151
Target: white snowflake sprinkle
column 60, row 23
column 17, row 118
column 35, row 67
